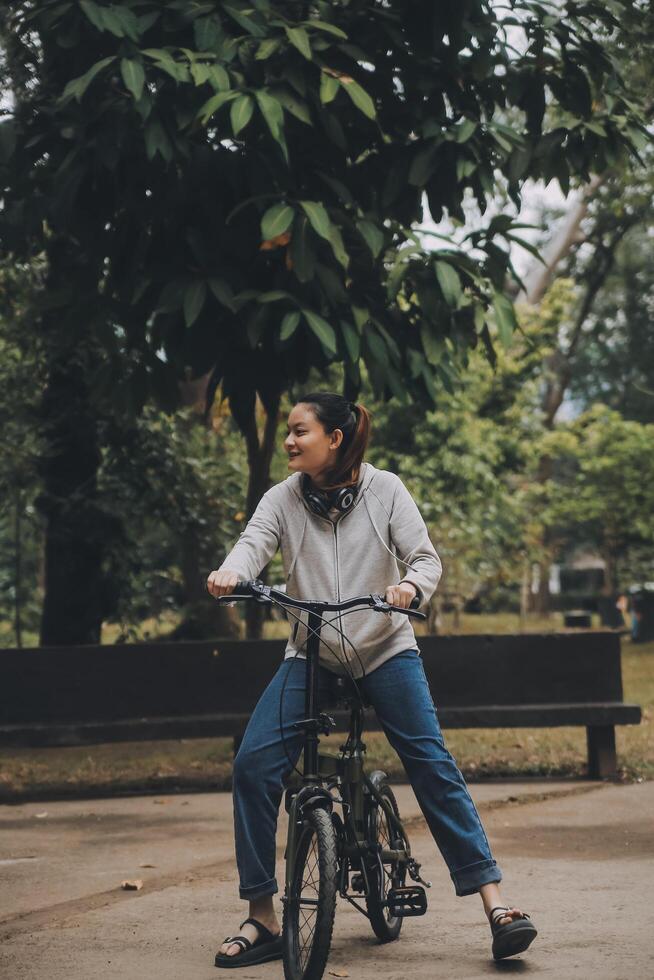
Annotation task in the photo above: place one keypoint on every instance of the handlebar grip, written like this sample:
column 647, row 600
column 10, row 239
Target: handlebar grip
column 415, row 602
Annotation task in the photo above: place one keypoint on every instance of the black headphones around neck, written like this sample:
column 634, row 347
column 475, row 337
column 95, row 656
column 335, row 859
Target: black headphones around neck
column 321, row 501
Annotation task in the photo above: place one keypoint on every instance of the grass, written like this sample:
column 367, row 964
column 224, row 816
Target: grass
column 188, row 764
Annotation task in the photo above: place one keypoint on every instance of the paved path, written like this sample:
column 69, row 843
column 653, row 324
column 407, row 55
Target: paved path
column 580, row 861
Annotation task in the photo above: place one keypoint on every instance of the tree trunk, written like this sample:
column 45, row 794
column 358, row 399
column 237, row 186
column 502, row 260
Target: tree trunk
column 204, row 618
column 524, row 594
column 75, row 526
column 260, row 451
column 18, row 573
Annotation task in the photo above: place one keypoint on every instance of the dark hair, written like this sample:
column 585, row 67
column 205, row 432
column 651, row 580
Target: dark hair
column 335, row 412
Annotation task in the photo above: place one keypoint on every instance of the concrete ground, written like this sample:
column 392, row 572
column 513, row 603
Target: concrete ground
column 578, row 856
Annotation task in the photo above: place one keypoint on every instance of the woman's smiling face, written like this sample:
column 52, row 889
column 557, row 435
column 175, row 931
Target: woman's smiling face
column 309, row 448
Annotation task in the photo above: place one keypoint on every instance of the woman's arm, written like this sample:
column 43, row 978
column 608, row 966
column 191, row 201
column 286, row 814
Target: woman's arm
column 258, row 542
column 411, row 539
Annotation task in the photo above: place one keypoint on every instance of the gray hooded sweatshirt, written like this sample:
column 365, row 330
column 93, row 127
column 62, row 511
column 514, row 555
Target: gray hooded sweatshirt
column 343, row 558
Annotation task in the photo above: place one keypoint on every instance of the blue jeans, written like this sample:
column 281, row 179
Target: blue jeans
column 400, row 695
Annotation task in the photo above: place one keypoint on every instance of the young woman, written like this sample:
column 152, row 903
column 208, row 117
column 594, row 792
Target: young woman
column 343, row 527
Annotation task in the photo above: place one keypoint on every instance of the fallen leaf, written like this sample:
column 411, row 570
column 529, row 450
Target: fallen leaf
column 39, row 816
column 161, row 801
column 338, row 973
column 147, row 866
column 135, row 885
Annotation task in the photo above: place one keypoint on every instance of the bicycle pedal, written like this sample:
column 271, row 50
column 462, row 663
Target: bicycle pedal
column 411, row 900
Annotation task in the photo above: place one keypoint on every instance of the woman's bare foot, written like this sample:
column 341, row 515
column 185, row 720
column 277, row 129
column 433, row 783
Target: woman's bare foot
column 261, row 910
column 491, row 897
column 509, row 916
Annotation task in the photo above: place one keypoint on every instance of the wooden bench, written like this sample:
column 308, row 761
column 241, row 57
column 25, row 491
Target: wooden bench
column 94, row 694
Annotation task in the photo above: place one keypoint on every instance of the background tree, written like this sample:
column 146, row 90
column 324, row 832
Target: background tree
column 231, row 188
column 21, row 375
column 604, row 491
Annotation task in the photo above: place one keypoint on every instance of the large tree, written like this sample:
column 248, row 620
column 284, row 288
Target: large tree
column 231, row 187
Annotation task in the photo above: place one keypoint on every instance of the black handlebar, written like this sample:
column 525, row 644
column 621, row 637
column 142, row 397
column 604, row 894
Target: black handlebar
column 259, row 592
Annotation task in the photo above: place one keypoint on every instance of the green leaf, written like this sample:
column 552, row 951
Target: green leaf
column 504, row 317
column 273, row 296
column 194, row 299
column 207, row 31
column 352, row 340
column 361, row 316
column 213, row 104
column 464, row 130
column 450, row 283
column 464, row 168
column 377, row 347
column 267, row 48
column 276, row 220
column 296, row 106
column 94, row 13
column 372, row 236
column 223, row 293
column 165, row 62
column 433, row 346
column 76, row 87
column 219, row 77
column 300, row 39
column 241, row 113
column 133, row 76
column 289, row 325
column 302, row 254
column 200, row 73
column 244, row 21
column 338, row 187
column 360, row 98
column 322, row 25
column 328, row 87
column 121, row 22
column 338, row 247
column 323, row 331
column 317, row 215
column 273, row 113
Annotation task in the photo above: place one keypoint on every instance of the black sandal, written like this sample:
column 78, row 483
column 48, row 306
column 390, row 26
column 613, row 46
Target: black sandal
column 513, row 937
column 266, row 947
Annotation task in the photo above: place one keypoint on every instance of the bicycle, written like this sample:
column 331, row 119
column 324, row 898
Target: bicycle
column 366, row 849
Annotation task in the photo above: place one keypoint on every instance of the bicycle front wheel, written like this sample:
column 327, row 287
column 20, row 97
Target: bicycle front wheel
column 310, row 906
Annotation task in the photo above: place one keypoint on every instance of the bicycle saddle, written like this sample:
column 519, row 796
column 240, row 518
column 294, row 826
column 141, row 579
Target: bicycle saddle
column 340, row 691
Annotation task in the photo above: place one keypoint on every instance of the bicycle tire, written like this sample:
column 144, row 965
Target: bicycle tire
column 391, row 875
column 306, row 937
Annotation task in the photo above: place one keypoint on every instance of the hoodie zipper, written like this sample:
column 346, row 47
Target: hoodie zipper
column 338, row 591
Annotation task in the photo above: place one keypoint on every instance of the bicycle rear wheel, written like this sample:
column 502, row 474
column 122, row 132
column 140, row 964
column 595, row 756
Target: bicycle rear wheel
column 382, row 876
column 310, row 905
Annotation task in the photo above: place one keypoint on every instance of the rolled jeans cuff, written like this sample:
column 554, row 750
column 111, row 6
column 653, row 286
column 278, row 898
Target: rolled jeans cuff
column 468, row 880
column 259, row 891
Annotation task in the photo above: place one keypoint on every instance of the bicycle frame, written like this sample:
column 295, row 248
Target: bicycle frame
column 352, row 781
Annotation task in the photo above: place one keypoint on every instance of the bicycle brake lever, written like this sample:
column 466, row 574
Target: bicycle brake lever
column 380, row 603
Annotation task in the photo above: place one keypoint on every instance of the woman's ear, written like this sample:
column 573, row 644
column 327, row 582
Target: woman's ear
column 336, row 438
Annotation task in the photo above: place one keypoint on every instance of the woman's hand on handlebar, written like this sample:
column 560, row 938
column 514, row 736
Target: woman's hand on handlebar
column 401, row 595
column 221, row 583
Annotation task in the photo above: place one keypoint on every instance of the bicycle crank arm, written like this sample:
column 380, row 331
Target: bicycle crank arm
column 412, row 868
